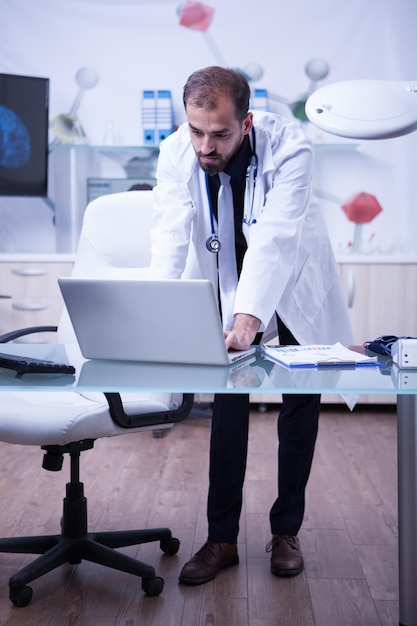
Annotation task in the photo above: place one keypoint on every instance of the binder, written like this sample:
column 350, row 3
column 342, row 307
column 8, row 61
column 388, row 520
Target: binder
column 164, row 115
column 260, row 99
column 157, row 116
column 149, row 117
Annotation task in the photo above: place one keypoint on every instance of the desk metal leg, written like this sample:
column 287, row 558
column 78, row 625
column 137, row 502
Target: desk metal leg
column 407, row 507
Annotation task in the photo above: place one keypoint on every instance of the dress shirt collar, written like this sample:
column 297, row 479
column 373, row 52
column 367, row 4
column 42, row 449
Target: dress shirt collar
column 237, row 166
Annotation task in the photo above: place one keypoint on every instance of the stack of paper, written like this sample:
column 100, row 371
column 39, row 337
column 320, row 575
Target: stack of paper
column 316, row 356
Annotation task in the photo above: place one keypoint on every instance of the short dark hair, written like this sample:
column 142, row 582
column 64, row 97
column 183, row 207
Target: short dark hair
column 204, row 87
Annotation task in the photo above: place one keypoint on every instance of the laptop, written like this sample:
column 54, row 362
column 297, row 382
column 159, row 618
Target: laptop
column 160, row 321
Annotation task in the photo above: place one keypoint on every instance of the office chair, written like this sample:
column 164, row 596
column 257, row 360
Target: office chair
column 114, row 242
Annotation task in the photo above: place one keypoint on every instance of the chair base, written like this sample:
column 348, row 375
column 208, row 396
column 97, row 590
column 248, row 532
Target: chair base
column 75, row 544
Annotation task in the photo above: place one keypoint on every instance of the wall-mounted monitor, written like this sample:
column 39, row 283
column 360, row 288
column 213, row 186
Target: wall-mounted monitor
column 24, row 118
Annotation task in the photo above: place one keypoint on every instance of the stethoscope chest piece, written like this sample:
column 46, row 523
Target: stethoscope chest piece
column 213, row 244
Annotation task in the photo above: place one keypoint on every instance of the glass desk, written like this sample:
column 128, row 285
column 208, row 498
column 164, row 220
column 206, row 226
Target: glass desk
column 257, row 375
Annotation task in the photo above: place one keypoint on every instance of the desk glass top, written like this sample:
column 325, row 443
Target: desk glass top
column 256, row 375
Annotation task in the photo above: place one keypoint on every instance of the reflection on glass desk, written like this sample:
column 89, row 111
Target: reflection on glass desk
column 256, row 375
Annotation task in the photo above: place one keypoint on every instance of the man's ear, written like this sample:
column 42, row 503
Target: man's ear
column 248, row 123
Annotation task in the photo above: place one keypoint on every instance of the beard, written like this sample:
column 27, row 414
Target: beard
column 220, row 162
column 212, row 168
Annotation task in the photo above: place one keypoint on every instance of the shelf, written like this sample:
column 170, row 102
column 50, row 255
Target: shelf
column 150, row 152
column 375, row 259
column 137, row 161
column 144, row 152
column 335, row 147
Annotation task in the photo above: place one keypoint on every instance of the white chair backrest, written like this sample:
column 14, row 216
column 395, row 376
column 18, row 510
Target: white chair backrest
column 115, row 233
column 114, row 241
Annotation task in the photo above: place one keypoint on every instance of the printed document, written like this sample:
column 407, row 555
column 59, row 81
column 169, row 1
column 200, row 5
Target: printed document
column 335, row 355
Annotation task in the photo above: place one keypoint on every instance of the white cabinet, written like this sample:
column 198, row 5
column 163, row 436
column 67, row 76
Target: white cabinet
column 80, row 173
column 30, row 294
column 382, row 298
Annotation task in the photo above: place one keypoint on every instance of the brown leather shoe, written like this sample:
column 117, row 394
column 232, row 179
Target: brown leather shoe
column 212, row 557
column 286, row 557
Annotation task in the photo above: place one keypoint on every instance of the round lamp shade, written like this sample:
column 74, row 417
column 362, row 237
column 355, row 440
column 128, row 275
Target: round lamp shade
column 365, row 109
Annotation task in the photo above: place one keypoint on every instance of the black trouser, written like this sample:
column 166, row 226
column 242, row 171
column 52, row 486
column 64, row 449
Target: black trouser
column 297, row 433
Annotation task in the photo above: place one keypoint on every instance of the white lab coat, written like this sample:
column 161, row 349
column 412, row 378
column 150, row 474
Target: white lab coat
column 289, row 266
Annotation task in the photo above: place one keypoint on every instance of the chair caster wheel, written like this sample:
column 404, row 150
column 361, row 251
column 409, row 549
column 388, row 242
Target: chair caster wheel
column 170, row 546
column 153, row 586
column 21, row 596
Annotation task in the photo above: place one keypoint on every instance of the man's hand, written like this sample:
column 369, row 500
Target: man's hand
column 243, row 332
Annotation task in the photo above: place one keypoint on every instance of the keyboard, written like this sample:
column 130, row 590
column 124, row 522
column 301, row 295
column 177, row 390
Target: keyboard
column 26, row 365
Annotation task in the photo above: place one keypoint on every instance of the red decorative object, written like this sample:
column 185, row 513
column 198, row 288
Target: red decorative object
column 361, row 208
column 196, row 15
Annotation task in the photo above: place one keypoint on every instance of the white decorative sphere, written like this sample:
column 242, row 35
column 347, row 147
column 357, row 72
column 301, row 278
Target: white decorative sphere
column 317, row 69
column 86, row 77
column 254, row 71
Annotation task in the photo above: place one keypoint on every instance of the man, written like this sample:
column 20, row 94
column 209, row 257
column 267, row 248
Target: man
column 270, row 263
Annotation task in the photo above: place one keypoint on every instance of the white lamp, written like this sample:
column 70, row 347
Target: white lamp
column 365, row 109
column 67, row 127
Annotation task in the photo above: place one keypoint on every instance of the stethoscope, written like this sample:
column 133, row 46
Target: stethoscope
column 213, row 243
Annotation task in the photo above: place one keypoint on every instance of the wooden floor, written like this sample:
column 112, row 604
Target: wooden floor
column 349, row 536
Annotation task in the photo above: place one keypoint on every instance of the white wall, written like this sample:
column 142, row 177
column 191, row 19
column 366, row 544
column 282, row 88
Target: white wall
column 137, row 45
